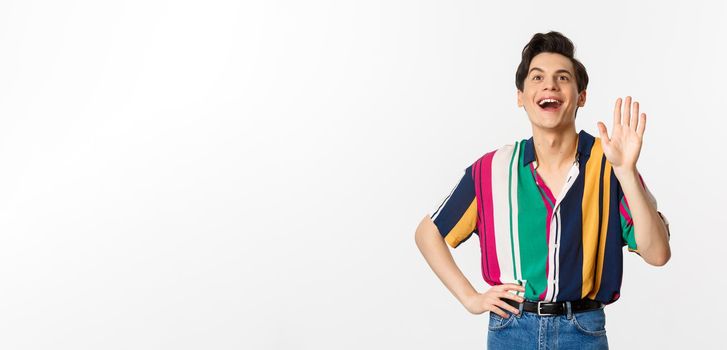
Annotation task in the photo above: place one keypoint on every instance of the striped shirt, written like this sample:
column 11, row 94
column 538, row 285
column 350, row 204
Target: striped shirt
column 561, row 248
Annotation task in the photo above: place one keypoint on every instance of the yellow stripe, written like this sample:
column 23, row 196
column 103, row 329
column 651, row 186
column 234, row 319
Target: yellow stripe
column 590, row 215
column 464, row 226
column 604, row 229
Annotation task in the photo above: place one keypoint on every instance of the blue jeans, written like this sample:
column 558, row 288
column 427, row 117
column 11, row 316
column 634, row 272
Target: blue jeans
column 582, row 330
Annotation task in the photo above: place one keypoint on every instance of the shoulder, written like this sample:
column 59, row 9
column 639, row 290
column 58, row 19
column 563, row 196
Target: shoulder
column 502, row 151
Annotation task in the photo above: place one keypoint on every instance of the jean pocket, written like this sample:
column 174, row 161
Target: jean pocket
column 497, row 322
column 592, row 322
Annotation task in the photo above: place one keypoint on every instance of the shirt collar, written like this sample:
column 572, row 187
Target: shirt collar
column 585, row 142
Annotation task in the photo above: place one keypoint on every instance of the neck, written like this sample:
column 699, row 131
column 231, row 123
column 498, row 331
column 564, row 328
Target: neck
column 555, row 149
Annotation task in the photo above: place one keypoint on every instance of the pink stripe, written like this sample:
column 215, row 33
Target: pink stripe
column 621, row 205
column 485, row 222
column 623, row 211
column 541, row 183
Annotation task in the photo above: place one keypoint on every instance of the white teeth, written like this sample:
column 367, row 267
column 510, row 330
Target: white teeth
column 547, row 100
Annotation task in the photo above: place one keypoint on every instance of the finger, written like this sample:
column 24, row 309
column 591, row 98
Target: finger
column 626, row 119
column 642, row 125
column 497, row 310
column 635, row 122
column 508, row 307
column 617, row 113
column 506, row 286
column 603, row 132
column 509, row 286
column 511, row 296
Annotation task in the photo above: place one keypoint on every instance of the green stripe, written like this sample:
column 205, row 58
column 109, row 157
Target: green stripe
column 509, row 197
column 532, row 215
column 547, row 198
column 626, row 229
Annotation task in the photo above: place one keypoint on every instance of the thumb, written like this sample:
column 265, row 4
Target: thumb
column 603, row 132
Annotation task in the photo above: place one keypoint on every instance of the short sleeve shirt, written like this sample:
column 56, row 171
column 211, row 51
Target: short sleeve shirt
column 561, row 247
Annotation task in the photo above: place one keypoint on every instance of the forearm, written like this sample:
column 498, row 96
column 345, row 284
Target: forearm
column 649, row 229
column 437, row 254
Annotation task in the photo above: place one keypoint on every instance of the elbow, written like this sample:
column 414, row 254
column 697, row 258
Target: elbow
column 660, row 253
column 661, row 260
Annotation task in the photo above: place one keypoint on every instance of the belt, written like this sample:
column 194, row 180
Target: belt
column 556, row 308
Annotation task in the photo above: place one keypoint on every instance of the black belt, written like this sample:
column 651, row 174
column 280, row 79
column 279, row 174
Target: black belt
column 556, row 308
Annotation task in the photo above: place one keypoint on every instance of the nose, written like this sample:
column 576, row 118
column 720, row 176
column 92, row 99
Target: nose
column 551, row 84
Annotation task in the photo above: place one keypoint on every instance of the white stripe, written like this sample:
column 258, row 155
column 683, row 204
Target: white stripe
column 551, row 257
column 501, row 211
column 557, row 266
column 514, row 205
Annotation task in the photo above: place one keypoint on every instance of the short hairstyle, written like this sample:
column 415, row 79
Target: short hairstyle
column 554, row 42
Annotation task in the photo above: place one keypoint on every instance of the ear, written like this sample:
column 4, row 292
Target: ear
column 582, row 98
column 519, row 98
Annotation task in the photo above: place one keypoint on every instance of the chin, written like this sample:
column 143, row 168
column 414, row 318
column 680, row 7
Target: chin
column 552, row 124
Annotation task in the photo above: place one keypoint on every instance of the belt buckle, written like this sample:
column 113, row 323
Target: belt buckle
column 539, row 313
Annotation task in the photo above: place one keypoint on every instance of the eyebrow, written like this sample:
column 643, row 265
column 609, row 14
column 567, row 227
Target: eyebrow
column 558, row 71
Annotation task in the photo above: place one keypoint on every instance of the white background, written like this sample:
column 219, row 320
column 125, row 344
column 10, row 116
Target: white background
column 249, row 175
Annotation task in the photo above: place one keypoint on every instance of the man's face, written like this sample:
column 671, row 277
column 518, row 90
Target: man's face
column 550, row 91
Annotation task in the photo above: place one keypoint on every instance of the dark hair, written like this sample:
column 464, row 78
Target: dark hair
column 554, row 42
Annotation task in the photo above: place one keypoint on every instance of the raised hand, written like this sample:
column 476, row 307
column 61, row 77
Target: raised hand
column 623, row 147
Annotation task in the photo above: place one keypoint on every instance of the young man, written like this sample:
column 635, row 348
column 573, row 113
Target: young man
column 552, row 213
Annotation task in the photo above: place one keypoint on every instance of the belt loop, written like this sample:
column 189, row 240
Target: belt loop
column 520, row 309
column 569, row 311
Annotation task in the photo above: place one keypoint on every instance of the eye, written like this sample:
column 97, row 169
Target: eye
column 536, row 77
column 563, row 77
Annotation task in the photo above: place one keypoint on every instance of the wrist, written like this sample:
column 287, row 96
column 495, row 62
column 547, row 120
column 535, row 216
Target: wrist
column 629, row 179
column 468, row 297
column 469, row 294
column 623, row 172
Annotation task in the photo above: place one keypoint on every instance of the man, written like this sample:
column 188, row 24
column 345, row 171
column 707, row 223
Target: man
column 552, row 213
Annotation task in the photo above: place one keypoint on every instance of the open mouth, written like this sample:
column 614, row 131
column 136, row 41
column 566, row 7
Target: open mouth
column 550, row 104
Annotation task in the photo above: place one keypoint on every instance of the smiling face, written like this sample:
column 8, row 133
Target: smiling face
column 550, row 92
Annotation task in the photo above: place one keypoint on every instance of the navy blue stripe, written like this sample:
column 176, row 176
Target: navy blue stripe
column 613, row 257
column 571, row 242
column 600, row 217
column 454, row 208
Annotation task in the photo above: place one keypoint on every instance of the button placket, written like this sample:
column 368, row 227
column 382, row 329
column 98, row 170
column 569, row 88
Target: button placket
column 572, row 175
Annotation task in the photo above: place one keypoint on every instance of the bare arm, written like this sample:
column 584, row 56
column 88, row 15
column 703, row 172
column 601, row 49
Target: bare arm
column 437, row 254
column 649, row 229
column 622, row 149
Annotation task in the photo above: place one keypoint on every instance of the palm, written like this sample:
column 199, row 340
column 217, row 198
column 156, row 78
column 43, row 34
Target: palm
column 623, row 147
